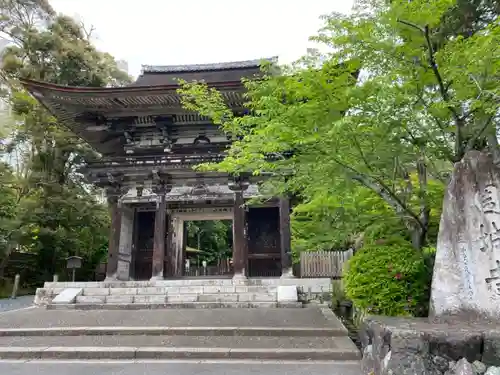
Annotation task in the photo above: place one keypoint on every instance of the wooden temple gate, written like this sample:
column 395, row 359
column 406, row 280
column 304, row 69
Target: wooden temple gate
column 148, row 145
column 261, row 258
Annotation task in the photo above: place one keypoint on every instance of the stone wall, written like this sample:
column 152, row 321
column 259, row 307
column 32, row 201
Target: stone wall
column 408, row 346
column 315, row 288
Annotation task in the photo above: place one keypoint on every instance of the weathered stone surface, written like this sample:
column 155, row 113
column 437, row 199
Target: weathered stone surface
column 42, row 297
column 90, row 299
column 67, row 296
column 368, row 363
column 287, row 293
column 150, row 299
column 463, row 367
column 491, row 349
column 442, row 364
column 479, row 368
column 96, row 292
column 466, row 277
column 493, row 371
column 410, row 364
column 455, row 345
column 120, row 299
column 439, row 347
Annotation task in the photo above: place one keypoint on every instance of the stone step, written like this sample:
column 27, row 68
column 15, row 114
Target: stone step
column 316, row 332
column 187, row 341
column 177, row 298
column 317, row 285
column 159, row 353
column 275, row 318
column 178, row 347
column 177, row 290
column 96, row 305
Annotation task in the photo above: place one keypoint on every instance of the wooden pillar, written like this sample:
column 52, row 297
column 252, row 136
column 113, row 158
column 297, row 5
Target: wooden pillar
column 285, row 238
column 170, row 246
column 240, row 256
column 160, row 233
column 176, row 246
column 126, row 242
column 113, row 196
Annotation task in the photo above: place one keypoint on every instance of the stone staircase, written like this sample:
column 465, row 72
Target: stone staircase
column 306, row 334
column 183, row 296
column 194, row 293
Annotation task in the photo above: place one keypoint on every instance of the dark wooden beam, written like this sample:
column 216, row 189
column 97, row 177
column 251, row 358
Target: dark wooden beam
column 240, row 245
column 160, row 188
column 114, row 193
column 285, row 236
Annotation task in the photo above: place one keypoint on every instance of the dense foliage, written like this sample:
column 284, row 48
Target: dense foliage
column 46, row 208
column 212, row 239
column 363, row 137
column 375, row 124
column 388, row 279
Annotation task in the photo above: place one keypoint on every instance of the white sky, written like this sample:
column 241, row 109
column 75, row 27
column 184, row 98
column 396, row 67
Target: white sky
column 170, row 32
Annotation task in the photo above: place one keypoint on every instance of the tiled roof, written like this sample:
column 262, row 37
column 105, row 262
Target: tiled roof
column 205, row 67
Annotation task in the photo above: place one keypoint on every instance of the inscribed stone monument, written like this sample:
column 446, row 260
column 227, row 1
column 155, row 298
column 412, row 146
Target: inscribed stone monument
column 466, row 278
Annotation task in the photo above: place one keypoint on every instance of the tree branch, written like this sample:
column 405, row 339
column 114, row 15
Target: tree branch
column 476, row 136
column 361, row 153
column 382, row 190
column 411, row 24
column 493, row 143
column 424, row 204
column 443, row 89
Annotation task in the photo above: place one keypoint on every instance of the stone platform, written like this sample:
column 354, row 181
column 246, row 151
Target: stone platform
column 420, row 346
column 308, row 334
column 183, row 293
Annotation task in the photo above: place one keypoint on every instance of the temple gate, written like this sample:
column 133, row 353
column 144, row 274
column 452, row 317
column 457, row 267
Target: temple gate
column 149, row 145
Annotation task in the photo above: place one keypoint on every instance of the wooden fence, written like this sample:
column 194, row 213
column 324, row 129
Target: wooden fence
column 323, row 263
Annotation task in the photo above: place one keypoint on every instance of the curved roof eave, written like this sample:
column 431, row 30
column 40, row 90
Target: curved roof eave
column 111, row 90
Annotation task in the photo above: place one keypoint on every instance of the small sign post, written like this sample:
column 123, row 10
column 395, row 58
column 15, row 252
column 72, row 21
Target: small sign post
column 73, row 263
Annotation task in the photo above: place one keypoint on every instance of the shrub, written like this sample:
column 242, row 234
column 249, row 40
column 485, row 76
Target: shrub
column 388, row 279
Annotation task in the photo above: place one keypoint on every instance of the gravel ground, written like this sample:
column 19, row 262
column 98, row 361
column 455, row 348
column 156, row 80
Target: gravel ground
column 40, row 318
column 7, row 304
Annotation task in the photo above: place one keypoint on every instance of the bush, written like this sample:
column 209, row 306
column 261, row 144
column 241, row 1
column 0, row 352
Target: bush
column 388, row 279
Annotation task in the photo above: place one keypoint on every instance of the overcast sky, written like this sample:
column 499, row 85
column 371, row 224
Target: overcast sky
column 170, row 32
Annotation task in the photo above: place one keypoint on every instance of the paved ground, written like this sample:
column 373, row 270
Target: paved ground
column 8, row 304
column 179, row 341
column 40, row 318
column 189, row 368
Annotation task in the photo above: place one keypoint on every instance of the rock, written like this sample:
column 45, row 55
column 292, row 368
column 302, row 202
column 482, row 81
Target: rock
column 385, row 362
column 410, row 364
column 491, row 348
column 368, row 361
column 455, row 345
column 478, row 367
column 493, row 371
column 442, row 364
column 467, row 262
column 463, row 367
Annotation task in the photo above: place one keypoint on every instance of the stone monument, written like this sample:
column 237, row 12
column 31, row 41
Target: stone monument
column 466, row 278
column 462, row 334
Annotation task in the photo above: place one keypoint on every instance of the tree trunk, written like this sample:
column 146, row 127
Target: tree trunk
column 5, row 260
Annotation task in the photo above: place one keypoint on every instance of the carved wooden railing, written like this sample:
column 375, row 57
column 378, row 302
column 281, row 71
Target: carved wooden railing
column 160, row 160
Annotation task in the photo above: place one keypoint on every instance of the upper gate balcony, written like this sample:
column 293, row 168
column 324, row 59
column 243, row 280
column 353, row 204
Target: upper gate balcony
column 147, row 117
